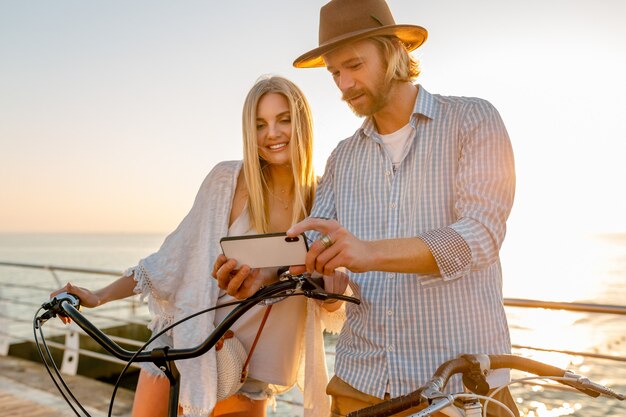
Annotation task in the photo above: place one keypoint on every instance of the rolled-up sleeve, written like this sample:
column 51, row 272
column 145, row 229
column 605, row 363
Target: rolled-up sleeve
column 451, row 252
column 485, row 184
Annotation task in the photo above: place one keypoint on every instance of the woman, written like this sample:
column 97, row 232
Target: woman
column 271, row 189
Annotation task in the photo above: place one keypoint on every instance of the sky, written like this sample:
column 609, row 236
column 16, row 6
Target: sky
column 112, row 113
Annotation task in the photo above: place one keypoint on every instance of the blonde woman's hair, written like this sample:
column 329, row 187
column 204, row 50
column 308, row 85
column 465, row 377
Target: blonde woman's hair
column 301, row 146
column 401, row 66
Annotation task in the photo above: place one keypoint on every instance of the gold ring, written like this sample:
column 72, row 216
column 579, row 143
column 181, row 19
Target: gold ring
column 326, row 241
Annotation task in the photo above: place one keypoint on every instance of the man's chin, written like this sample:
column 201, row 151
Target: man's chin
column 360, row 111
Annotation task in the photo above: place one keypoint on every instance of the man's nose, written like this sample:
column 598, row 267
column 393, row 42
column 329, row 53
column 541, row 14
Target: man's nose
column 345, row 82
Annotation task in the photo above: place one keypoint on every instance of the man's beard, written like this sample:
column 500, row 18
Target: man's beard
column 375, row 100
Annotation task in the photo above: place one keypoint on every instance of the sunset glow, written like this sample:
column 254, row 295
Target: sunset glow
column 111, row 115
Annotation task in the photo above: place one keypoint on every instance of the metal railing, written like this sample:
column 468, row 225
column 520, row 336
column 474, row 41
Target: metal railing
column 131, row 311
column 568, row 306
column 20, row 300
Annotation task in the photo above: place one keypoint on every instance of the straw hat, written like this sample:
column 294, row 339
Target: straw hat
column 343, row 21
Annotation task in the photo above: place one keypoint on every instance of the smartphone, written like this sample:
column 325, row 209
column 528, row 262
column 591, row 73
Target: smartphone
column 266, row 250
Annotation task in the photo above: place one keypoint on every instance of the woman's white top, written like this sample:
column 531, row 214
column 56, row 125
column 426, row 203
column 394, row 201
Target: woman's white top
column 277, row 354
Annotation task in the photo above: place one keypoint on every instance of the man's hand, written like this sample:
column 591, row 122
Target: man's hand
column 336, row 247
column 239, row 283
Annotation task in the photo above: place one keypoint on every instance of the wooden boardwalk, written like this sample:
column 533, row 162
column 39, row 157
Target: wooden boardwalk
column 26, row 390
column 11, row 405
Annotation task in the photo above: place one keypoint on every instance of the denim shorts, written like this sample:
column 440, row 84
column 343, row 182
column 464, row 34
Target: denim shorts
column 252, row 388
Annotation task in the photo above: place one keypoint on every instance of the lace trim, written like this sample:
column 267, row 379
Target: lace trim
column 144, row 285
column 157, row 306
column 189, row 411
column 160, row 322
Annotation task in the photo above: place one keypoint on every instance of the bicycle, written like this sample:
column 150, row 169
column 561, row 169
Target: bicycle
column 474, row 369
column 164, row 357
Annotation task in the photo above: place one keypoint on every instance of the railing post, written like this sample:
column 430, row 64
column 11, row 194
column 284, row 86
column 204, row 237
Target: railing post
column 54, row 275
column 70, row 353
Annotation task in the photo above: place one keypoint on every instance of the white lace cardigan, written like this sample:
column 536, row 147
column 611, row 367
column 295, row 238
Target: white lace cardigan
column 177, row 282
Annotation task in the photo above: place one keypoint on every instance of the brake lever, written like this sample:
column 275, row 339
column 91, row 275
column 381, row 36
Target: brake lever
column 313, row 287
column 54, row 307
column 590, row 388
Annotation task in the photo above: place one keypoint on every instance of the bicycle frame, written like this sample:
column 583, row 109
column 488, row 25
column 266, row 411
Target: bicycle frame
column 164, row 357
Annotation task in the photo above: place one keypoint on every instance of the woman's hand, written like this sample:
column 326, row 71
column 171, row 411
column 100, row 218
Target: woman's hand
column 239, row 283
column 87, row 297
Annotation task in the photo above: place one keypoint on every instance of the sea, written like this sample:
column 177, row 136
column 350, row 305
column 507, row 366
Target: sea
column 590, row 269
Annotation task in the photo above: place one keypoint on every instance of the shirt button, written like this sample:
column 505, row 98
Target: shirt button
column 390, row 312
column 387, row 173
column 390, row 348
column 391, row 275
column 393, row 205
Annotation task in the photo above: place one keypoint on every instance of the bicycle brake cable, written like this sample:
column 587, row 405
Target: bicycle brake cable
column 37, row 325
column 171, row 326
column 154, row 337
column 50, row 360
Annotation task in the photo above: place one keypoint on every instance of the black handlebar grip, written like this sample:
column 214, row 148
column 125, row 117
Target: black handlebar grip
column 54, row 306
column 319, row 281
column 447, row 369
column 390, row 407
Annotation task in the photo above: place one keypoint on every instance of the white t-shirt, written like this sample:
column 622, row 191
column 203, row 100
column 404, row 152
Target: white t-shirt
column 276, row 356
column 396, row 144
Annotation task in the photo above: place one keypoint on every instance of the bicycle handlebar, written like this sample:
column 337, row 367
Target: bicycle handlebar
column 53, row 306
column 67, row 304
column 445, row 371
column 433, row 388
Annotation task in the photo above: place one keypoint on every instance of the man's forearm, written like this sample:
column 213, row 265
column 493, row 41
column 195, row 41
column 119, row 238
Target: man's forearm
column 406, row 255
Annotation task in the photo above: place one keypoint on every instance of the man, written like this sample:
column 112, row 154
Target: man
column 414, row 204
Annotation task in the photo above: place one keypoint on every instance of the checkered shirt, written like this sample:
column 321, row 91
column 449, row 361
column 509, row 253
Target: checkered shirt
column 454, row 190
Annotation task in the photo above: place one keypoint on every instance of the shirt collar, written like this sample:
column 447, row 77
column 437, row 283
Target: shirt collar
column 425, row 105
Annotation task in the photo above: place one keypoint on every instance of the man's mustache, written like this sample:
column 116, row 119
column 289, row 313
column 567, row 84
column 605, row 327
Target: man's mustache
column 352, row 94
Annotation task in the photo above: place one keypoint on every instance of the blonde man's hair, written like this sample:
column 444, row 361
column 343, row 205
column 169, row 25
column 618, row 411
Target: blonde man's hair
column 301, row 146
column 401, row 66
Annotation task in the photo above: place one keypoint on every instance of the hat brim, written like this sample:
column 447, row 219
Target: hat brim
column 411, row 35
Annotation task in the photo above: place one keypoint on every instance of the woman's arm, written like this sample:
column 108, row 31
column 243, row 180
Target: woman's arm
column 121, row 288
